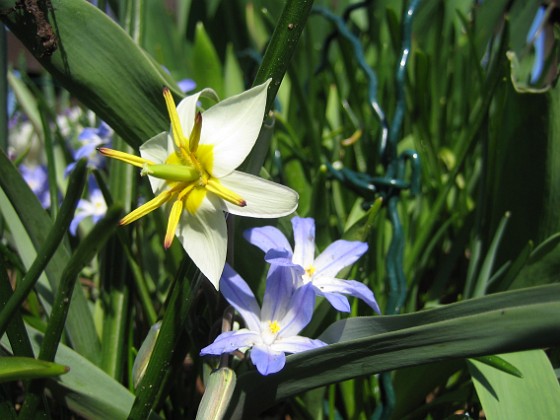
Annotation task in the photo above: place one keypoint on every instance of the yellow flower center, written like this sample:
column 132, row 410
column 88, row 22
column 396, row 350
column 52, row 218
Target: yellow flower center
column 187, row 172
column 274, row 327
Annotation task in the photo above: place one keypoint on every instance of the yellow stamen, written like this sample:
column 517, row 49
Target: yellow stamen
column 274, row 327
column 173, row 222
column 178, row 137
column 215, row 187
column 146, row 208
column 195, row 133
column 125, row 157
column 310, row 270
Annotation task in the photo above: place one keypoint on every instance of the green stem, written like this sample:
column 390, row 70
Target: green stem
column 172, row 326
column 54, row 238
column 19, row 340
column 275, row 63
column 282, row 45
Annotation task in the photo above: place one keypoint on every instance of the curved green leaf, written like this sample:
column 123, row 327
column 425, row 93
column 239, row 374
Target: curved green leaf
column 536, row 395
column 18, row 368
column 30, row 226
column 99, row 64
column 504, row 322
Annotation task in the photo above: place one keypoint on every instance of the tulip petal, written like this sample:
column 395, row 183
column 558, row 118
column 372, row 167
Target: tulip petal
column 239, row 295
column 233, row 126
column 230, row 341
column 187, row 109
column 265, row 199
column 157, row 150
column 204, row 237
column 338, row 255
column 304, row 241
column 266, row 238
column 267, row 360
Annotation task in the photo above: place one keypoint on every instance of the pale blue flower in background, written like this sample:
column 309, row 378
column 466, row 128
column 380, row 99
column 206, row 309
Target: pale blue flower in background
column 91, row 138
column 270, row 332
column 536, row 36
column 305, row 269
column 94, row 207
column 186, row 85
column 37, row 178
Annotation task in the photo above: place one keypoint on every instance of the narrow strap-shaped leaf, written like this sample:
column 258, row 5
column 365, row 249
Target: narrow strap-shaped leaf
column 52, row 242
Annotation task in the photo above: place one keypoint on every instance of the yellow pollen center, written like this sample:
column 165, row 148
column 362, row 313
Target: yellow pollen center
column 310, row 271
column 274, row 327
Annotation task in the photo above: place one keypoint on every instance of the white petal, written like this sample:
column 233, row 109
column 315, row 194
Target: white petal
column 265, row 199
column 204, row 237
column 157, row 150
column 233, row 126
column 187, row 109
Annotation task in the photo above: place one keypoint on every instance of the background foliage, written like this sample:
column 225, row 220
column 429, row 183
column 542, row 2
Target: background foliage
column 466, row 250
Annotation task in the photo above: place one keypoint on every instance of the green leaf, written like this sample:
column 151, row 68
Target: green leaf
column 206, row 67
column 510, row 321
column 30, row 226
column 85, row 389
column 536, row 395
column 112, row 75
column 499, row 363
column 19, row 368
column 543, row 266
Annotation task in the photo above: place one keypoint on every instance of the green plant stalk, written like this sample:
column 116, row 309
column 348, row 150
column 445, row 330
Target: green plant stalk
column 275, row 64
column 137, row 274
column 19, row 340
column 115, row 271
column 56, row 235
column 282, row 45
column 51, row 163
column 172, row 325
column 84, row 253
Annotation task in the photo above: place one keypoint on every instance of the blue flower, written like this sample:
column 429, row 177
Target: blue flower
column 186, row 85
column 270, row 332
column 305, row 269
column 95, row 208
column 91, row 138
column 536, row 36
column 37, row 179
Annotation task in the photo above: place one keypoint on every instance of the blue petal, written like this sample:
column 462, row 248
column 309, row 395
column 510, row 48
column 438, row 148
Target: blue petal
column 338, row 301
column 230, row 341
column 76, row 221
column 266, row 238
column 267, row 360
column 304, row 241
column 283, row 258
column 332, row 288
column 299, row 312
column 296, row 344
column 240, row 296
column 278, row 293
column 536, row 35
column 338, row 255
